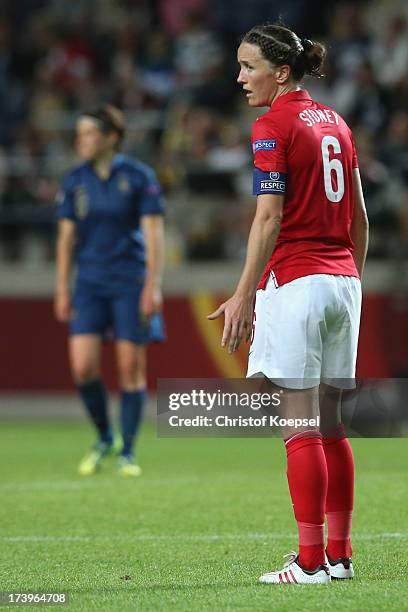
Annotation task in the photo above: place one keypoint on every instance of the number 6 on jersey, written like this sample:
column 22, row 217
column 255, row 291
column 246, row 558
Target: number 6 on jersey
column 332, row 165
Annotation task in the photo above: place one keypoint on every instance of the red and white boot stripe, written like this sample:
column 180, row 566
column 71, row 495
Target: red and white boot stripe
column 287, row 577
column 293, row 577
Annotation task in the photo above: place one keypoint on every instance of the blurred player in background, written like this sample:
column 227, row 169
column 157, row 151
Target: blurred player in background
column 309, row 238
column 110, row 224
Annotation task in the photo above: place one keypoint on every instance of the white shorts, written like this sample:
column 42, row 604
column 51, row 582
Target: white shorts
column 307, row 331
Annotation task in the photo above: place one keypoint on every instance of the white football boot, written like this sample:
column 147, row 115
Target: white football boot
column 340, row 569
column 292, row 573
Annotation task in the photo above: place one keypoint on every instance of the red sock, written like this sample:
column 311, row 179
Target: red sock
column 340, row 493
column 307, row 478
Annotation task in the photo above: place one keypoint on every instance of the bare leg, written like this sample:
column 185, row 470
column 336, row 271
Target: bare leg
column 85, row 357
column 131, row 363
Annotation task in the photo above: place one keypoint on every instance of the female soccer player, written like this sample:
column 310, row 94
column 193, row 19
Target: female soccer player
column 110, row 214
column 309, row 237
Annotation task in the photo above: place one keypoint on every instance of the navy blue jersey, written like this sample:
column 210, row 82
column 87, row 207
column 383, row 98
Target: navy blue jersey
column 110, row 251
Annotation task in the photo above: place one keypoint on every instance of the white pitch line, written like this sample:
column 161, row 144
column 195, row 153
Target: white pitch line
column 188, row 537
column 89, row 484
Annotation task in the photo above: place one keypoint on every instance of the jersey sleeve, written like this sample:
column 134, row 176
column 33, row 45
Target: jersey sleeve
column 270, row 158
column 152, row 201
column 64, row 201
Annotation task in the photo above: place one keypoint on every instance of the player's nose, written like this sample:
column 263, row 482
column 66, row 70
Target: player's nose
column 240, row 78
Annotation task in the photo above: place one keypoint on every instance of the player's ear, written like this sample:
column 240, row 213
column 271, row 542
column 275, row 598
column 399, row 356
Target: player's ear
column 282, row 74
column 113, row 139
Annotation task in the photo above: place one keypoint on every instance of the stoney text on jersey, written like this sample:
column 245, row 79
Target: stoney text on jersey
column 311, row 117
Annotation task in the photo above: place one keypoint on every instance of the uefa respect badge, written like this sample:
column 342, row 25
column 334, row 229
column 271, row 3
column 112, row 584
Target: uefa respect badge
column 264, row 145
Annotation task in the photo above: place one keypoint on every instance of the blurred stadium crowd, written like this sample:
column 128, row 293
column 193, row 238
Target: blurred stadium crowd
column 171, row 66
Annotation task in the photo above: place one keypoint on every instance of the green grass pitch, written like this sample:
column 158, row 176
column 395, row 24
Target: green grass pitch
column 194, row 532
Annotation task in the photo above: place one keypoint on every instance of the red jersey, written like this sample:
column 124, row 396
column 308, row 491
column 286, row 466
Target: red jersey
column 306, row 151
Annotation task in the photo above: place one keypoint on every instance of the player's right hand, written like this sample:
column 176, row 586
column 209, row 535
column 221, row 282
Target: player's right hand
column 62, row 306
column 238, row 314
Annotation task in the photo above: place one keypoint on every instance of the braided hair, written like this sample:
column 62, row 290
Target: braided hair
column 279, row 45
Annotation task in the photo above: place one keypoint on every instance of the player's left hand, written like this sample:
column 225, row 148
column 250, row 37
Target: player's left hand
column 238, row 311
column 151, row 300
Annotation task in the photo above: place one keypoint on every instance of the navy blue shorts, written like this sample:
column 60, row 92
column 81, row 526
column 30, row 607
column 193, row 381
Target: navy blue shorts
column 115, row 316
